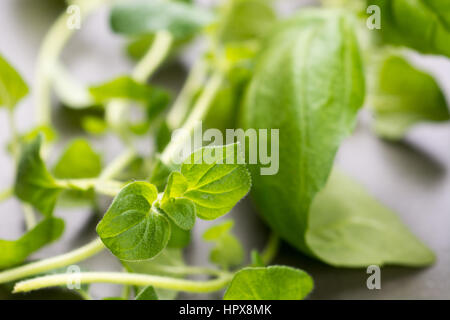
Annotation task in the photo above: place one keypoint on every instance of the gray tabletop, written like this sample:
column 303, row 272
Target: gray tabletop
column 411, row 177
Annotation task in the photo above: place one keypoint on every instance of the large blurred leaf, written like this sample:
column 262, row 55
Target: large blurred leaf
column 347, row 227
column 144, row 17
column 423, row 25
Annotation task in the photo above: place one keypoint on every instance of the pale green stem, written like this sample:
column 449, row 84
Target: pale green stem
column 126, row 291
column 271, row 250
column 116, row 109
column 6, row 194
column 180, row 108
column 188, row 270
column 30, row 217
column 106, row 187
column 116, row 166
column 51, row 48
column 126, row 279
column 154, row 57
column 199, row 111
column 60, row 261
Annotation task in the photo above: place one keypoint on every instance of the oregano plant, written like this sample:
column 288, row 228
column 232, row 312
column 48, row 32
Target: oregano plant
column 307, row 75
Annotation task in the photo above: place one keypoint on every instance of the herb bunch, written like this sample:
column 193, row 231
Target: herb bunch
column 304, row 74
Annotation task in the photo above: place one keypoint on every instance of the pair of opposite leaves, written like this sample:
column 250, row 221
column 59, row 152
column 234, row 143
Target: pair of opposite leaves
column 137, row 224
column 309, row 83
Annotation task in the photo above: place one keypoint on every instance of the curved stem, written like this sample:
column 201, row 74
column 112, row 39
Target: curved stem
column 53, row 44
column 154, row 57
column 118, row 164
column 271, row 249
column 200, row 110
column 30, row 217
column 116, row 109
column 52, row 263
column 126, row 279
column 180, row 108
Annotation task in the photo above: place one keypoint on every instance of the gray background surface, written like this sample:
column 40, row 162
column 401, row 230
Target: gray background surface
column 411, row 177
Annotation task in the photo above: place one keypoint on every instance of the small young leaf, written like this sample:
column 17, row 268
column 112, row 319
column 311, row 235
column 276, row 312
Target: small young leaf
column 132, row 228
column 271, row 283
column 176, row 186
column 15, row 252
column 94, row 125
column 78, row 161
column 228, row 251
column 34, row 184
column 405, row 96
column 217, row 231
column 145, row 17
column 12, row 86
column 215, row 185
column 179, row 209
column 348, row 228
column 147, row 293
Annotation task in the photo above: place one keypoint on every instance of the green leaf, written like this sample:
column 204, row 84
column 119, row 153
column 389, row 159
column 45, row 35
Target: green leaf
column 405, row 96
column 423, row 25
column 309, row 84
column 217, row 180
column 78, row 161
column 217, row 231
column 179, row 209
column 34, row 184
column 347, row 227
column 145, row 17
column 132, row 228
column 15, row 252
column 179, row 238
column 12, row 87
column 228, row 251
column 147, row 293
column 94, row 125
column 271, row 283
column 243, row 20
column 124, row 87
